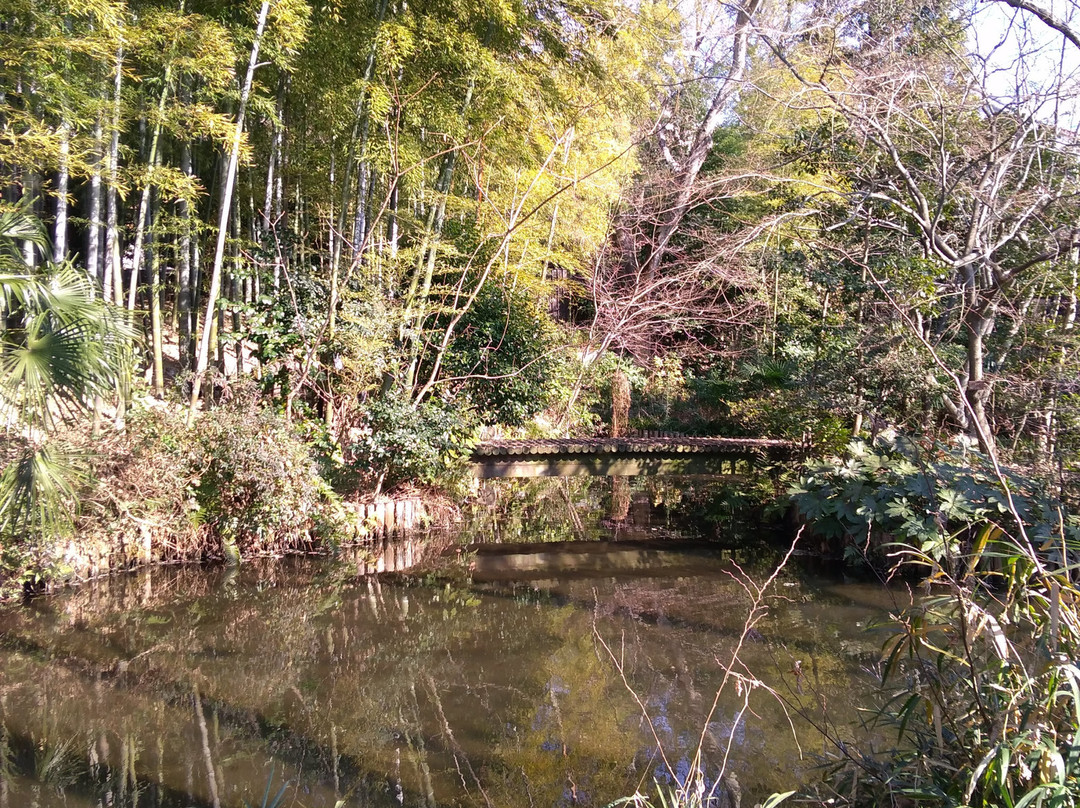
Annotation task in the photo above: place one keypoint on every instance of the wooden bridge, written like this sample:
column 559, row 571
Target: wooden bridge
column 617, row 457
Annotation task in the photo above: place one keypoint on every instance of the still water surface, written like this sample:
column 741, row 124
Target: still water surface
column 567, row 653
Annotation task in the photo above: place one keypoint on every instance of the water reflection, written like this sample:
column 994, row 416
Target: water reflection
column 582, row 508
column 190, row 687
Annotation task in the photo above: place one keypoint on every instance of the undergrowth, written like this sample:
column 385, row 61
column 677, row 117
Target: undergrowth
column 238, row 483
column 978, row 698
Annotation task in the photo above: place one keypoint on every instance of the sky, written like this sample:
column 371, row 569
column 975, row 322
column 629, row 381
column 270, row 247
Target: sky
column 1023, row 56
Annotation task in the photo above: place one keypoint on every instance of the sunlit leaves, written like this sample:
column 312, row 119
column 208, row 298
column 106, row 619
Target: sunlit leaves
column 394, row 45
column 61, row 354
column 60, row 347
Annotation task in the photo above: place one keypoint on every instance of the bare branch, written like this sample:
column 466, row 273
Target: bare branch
column 1047, row 17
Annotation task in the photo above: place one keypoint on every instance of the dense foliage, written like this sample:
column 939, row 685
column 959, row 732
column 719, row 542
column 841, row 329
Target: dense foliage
column 497, row 205
column 941, row 502
column 979, row 691
column 397, row 443
column 256, row 485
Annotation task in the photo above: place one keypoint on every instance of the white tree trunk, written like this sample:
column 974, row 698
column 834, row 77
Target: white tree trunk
column 113, row 284
column 203, row 359
column 686, row 174
column 144, row 202
column 93, row 230
column 62, row 177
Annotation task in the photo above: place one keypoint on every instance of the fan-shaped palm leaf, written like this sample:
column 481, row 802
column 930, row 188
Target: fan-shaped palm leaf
column 779, row 374
column 62, row 356
column 60, row 346
column 19, row 224
column 35, row 490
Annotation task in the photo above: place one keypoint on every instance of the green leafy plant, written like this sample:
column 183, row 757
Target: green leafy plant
column 504, row 356
column 979, row 699
column 396, row 442
column 257, row 487
column 931, row 498
column 60, row 348
column 979, row 690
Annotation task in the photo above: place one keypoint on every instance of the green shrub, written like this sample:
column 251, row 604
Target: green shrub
column 769, row 398
column 257, row 486
column 397, row 442
column 979, row 691
column 787, row 414
column 589, row 411
column 979, row 699
column 934, row 499
column 241, row 481
column 506, row 354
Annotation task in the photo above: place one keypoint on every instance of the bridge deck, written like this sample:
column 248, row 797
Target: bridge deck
column 623, row 456
column 558, row 446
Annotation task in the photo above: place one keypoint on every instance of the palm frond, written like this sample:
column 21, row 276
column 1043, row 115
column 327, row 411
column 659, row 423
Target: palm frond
column 35, row 490
column 19, row 224
column 60, row 347
column 65, row 347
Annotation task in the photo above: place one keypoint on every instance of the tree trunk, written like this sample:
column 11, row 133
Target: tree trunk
column 219, row 327
column 93, row 231
column 226, row 206
column 155, row 321
column 144, row 200
column 113, row 285
column 415, row 309
column 196, row 297
column 268, row 225
column 978, row 324
column 360, row 216
column 183, row 269
column 359, row 137
column 63, row 175
column 686, row 175
column 1069, row 317
column 31, row 186
column 279, row 193
column 332, row 238
column 237, row 296
column 392, row 220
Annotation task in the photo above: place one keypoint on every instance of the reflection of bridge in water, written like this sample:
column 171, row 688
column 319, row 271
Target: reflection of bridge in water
column 607, row 457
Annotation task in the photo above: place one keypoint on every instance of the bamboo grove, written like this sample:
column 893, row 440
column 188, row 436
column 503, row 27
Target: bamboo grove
column 227, row 171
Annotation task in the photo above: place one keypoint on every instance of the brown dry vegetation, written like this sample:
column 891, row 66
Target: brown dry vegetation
column 238, row 482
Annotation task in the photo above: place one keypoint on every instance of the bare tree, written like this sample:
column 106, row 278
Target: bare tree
column 688, row 306
column 1066, row 26
column 685, row 144
column 931, row 149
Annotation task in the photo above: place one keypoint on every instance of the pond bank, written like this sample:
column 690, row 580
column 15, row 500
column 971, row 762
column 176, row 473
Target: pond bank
column 389, row 533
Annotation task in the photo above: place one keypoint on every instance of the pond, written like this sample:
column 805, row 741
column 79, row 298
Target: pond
column 575, row 643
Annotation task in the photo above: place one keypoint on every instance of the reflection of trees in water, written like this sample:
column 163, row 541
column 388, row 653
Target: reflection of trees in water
column 438, row 692
column 550, row 509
